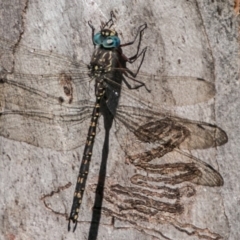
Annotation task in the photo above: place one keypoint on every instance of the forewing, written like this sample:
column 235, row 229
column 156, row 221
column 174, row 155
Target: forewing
column 168, row 90
column 44, row 101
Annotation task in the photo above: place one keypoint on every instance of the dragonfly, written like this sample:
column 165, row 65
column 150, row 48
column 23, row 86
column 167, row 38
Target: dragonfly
column 52, row 106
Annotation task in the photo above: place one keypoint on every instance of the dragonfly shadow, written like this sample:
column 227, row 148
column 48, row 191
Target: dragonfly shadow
column 96, row 216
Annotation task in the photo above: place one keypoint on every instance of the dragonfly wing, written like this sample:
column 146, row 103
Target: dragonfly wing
column 171, row 90
column 202, row 135
column 45, row 102
column 147, row 136
column 204, row 174
column 58, row 131
column 43, row 117
column 153, row 126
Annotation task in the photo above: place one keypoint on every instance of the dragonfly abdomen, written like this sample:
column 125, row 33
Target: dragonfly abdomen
column 87, row 154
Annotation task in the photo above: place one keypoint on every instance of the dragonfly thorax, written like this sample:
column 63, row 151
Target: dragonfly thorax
column 96, row 70
column 104, row 61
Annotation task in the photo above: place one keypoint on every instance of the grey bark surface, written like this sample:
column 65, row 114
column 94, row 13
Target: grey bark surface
column 184, row 38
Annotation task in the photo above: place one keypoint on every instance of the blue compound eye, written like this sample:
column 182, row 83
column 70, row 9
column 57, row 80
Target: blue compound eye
column 111, row 42
column 98, row 38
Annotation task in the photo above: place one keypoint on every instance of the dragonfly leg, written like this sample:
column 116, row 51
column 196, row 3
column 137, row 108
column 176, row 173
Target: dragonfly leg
column 137, row 55
column 131, row 75
column 141, row 84
column 143, row 52
column 110, row 21
column 140, row 32
column 93, row 31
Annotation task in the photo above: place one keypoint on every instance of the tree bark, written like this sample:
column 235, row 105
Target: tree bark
column 184, row 38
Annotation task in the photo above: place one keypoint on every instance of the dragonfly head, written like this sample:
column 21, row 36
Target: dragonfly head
column 107, row 38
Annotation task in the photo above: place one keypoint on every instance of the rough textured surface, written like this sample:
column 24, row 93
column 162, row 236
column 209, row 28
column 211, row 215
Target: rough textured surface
column 184, row 38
